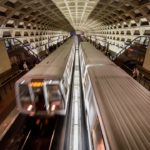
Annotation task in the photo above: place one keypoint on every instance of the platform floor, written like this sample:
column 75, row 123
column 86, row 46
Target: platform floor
column 7, row 122
column 8, row 111
column 7, row 103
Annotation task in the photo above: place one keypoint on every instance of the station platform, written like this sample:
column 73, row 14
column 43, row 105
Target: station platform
column 8, row 110
column 7, row 122
column 7, row 103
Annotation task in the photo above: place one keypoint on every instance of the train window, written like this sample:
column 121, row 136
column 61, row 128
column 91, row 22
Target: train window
column 86, row 84
column 54, row 93
column 67, row 77
column 25, row 98
column 65, row 83
column 64, row 86
column 83, row 67
column 81, row 56
column 69, row 66
column 98, row 142
column 55, row 98
column 67, row 70
column 90, row 95
column 91, row 111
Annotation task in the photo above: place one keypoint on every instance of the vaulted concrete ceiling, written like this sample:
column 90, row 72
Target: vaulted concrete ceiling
column 77, row 11
column 117, row 11
column 72, row 14
column 33, row 12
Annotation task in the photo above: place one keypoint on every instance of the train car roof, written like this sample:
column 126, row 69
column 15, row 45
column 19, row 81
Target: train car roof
column 93, row 57
column 124, row 106
column 53, row 66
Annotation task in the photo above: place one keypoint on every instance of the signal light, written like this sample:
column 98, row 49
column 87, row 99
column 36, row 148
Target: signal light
column 36, row 84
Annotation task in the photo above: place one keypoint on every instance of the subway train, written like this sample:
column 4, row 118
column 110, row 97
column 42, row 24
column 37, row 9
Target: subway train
column 44, row 90
column 117, row 107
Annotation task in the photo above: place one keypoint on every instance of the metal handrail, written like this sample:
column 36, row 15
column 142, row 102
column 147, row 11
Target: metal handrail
column 25, row 46
column 124, row 48
column 10, row 78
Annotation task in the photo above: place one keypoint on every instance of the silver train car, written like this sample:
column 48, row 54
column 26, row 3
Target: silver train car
column 117, row 107
column 44, row 90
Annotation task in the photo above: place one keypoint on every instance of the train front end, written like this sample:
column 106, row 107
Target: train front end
column 40, row 97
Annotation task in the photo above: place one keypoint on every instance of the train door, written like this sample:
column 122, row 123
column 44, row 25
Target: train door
column 38, row 93
column 95, row 129
column 97, row 138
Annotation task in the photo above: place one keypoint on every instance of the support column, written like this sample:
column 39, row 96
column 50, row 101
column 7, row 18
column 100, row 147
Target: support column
column 4, row 58
column 146, row 63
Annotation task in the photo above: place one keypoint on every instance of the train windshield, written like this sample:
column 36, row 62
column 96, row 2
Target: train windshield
column 54, row 96
column 25, row 99
column 39, row 98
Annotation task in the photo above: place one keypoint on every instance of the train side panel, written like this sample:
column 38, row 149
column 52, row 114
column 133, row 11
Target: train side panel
column 117, row 106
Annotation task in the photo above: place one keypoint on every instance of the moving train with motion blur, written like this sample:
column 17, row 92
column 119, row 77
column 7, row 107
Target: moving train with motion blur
column 117, row 107
column 44, row 90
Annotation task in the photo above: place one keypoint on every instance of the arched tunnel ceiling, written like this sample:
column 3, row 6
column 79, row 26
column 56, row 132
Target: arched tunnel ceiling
column 91, row 14
column 77, row 11
column 72, row 14
column 116, row 11
column 36, row 12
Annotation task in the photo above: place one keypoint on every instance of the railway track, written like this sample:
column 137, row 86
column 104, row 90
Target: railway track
column 15, row 134
column 32, row 133
column 41, row 135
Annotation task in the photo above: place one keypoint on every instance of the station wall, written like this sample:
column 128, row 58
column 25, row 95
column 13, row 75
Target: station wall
column 37, row 39
column 117, row 34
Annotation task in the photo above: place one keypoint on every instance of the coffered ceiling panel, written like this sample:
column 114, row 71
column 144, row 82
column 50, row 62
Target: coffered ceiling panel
column 36, row 12
column 92, row 14
column 77, row 11
column 115, row 11
column 72, row 15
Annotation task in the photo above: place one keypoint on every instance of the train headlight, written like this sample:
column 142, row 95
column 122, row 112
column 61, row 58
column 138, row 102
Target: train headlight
column 29, row 108
column 53, row 107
